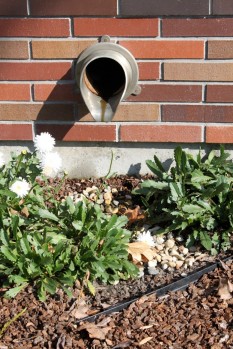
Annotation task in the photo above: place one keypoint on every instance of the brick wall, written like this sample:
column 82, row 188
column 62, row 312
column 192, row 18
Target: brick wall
column 184, row 49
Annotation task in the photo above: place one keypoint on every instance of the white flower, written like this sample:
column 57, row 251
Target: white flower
column 21, row 187
column 51, row 164
column 44, row 143
column 146, row 237
column 2, row 162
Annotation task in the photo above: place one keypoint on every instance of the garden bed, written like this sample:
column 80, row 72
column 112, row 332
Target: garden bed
column 58, row 322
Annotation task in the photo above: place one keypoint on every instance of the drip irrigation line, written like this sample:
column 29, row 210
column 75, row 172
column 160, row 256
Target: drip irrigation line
column 178, row 285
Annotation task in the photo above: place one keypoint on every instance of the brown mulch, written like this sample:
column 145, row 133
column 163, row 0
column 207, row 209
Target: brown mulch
column 199, row 317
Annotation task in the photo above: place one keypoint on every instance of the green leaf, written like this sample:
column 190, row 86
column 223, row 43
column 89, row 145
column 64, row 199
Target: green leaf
column 17, row 279
column 176, row 190
column 91, row 287
column 50, row 285
column 25, row 245
column 192, row 208
column 14, row 224
column 70, row 204
column 4, row 237
column 153, row 184
column 205, row 240
column 199, row 177
column 78, row 225
column 14, row 291
column 157, row 170
column 8, row 254
column 45, row 214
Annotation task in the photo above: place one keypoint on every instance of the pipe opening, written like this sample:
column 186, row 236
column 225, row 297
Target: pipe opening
column 104, row 77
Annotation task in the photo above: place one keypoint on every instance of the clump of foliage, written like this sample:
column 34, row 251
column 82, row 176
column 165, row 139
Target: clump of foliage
column 194, row 197
column 49, row 243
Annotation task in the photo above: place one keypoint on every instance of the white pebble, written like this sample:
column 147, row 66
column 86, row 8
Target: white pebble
column 170, row 243
column 152, row 263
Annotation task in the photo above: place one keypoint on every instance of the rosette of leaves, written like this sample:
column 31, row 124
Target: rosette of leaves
column 194, row 197
column 51, row 244
column 63, row 244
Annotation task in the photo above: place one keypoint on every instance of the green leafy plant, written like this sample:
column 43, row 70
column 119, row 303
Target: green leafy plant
column 194, row 197
column 50, row 243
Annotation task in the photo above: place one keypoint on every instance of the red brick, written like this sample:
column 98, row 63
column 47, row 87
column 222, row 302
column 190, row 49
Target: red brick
column 198, row 71
column 197, row 113
column 35, row 71
column 13, row 7
column 169, row 93
column 80, row 133
column 115, row 27
column 219, row 134
column 222, row 7
column 39, row 111
column 148, row 70
column 14, row 50
column 16, row 132
column 55, row 92
column 220, row 49
column 15, row 92
column 73, row 8
column 161, row 133
column 197, row 27
column 165, row 49
column 34, row 27
column 126, row 112
column 163, row 7
column 59, row 48
column 219, row 93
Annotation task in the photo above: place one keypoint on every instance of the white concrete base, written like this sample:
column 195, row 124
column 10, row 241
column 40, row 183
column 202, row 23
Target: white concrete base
column 84, row 160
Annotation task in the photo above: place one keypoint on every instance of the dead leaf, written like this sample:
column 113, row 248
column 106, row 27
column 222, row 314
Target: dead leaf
column 104, row 322
column 123, row 345
column 145, row 340
column 224, row 265
column 225, row 289
column 141, row 251
column 25, row 212
column 94, row 331
column 193, row 337
column 145, row 327
column 134, row 215
column 81, row 310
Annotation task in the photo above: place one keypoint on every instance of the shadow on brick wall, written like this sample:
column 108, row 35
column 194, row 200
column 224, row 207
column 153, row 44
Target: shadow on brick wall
column 61, row 106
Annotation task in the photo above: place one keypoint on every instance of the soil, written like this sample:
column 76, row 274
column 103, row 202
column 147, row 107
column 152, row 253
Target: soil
column 199, row 317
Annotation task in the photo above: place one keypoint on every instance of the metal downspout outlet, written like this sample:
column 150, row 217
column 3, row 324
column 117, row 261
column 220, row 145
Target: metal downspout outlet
column 106, row 73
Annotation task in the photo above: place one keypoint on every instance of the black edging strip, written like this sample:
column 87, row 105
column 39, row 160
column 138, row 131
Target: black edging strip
column 178, row 285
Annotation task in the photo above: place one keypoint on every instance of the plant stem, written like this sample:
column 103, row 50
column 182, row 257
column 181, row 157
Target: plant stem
column 8, row 323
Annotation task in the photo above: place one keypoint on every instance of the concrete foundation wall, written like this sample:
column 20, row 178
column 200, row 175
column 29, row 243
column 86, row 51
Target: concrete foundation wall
column 94, row 159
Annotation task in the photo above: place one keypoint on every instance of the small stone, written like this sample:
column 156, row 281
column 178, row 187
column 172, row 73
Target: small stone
column 141, row 272
column 152, row 263
column 115, row 202
column 185, row 251
column 158, row 257
column 100, row 201
column 164, row 266
column 170, row 243
column 160, row 247
column 108, row 198
column 114, row 190
column 179, row 264
column 159, row 240
column 93, row 197
column 190, row 261
column 172, row 264
column 152, row 271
